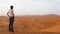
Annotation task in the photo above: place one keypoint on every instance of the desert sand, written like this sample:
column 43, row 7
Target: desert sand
column 38, row 24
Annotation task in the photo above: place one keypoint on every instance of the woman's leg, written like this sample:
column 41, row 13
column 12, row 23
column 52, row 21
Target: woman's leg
column 11, row 24
column 12, row 21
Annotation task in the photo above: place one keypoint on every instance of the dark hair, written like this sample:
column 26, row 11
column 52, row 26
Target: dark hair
column 11, row 6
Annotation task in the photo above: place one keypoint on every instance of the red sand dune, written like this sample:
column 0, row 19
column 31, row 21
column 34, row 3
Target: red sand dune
column 31, row 24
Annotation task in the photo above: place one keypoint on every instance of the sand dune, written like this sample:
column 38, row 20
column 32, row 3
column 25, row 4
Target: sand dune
column 52, row 29
column 47, row 24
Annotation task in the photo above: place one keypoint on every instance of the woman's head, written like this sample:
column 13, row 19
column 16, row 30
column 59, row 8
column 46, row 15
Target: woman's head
column 11, row 7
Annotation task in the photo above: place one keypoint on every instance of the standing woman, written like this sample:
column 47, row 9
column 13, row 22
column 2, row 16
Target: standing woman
column 10, row 14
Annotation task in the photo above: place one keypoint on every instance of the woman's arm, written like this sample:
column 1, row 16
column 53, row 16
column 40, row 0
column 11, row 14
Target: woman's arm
column 7, row 13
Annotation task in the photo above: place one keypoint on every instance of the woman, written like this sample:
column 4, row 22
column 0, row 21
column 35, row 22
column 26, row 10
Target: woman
column 10, row 14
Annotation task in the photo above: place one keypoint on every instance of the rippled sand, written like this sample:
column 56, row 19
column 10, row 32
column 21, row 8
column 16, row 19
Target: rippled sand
column 47, row 24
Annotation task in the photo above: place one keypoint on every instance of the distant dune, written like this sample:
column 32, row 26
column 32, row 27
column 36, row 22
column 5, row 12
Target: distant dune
column 29, row 24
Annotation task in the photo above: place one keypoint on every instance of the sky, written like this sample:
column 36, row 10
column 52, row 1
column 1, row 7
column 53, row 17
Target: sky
column 30, row 7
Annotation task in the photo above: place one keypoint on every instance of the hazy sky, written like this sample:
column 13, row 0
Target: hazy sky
column 31, row 7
